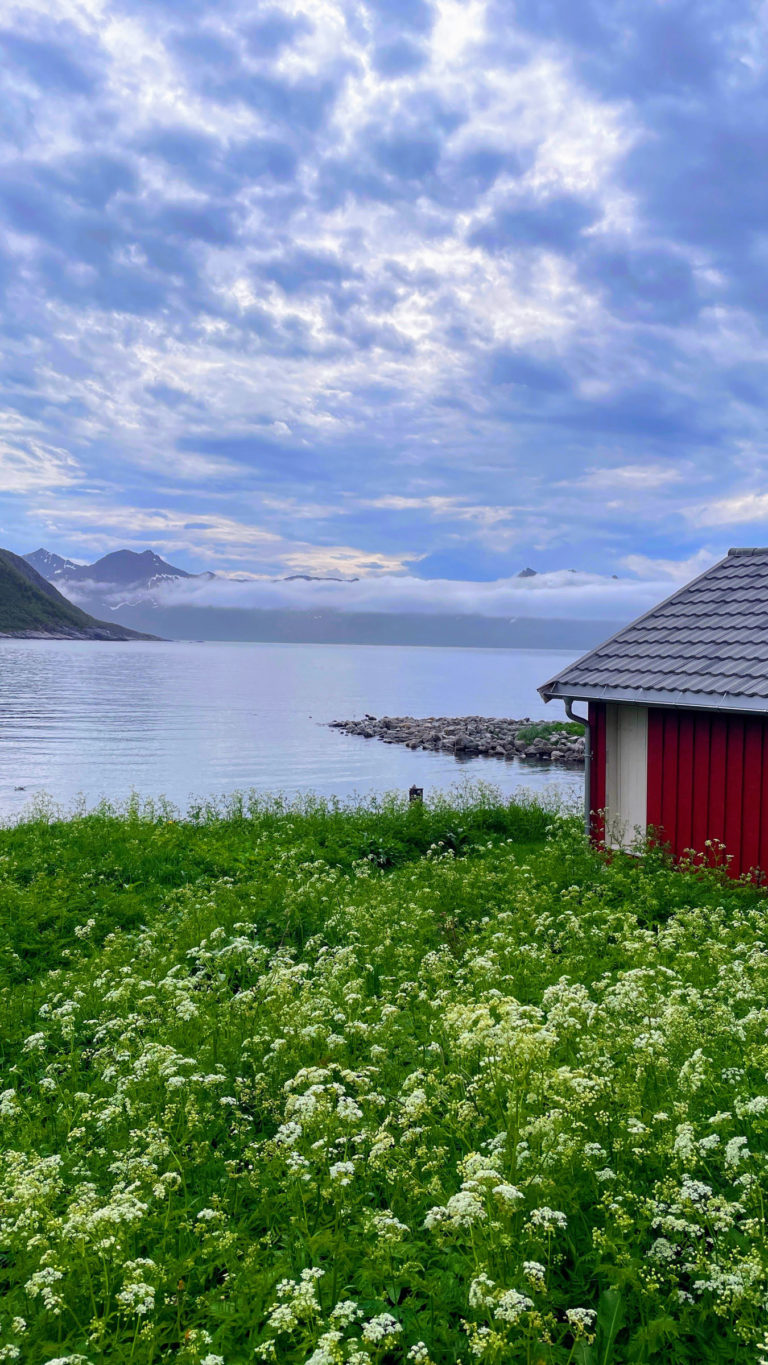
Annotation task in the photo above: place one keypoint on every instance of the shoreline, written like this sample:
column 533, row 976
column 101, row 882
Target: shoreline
column 472, row 736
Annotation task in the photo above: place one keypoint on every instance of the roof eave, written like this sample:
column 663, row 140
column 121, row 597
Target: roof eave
column 545, row 690
column 640, row 696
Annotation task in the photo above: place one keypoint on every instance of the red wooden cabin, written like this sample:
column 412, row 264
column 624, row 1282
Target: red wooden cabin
column 678, row 719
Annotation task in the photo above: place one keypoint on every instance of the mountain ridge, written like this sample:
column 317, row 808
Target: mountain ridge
column 119, row 568
column 49, row 565
column 138, row 603
column 33, row 608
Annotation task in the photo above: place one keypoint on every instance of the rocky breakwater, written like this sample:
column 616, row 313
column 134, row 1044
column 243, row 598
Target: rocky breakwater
column 472, row 736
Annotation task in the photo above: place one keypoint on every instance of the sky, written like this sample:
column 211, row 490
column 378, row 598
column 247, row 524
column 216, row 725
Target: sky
column 419, row 292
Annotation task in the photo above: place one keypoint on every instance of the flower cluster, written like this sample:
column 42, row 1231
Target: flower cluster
column 494, row 1107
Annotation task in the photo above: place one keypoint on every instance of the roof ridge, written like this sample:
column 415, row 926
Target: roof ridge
column 545, row 691
column 749, row 550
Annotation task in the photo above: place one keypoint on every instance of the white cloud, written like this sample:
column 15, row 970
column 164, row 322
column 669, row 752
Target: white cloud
column 633, row 477
column 213, row 537
column 738, row 510
column 442, row 508
column 95, row 523
column 224, row 360
column 343, row 560
column 552, row 595
column 678, row 570
column 31, row 466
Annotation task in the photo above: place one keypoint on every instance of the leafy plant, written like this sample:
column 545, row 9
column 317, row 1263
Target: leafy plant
column 547, row 729
column 483, row 1096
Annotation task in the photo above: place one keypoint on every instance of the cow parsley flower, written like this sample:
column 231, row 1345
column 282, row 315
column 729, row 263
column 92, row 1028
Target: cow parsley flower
column 346, row 1312
column 535, row 1272
column 381, row 1330
column 507, row 1194
column 549, row 1219
column 581, row 1320
column 341, row 1172
column 419, row 1354
column 736, row 1151
column 511, row 1305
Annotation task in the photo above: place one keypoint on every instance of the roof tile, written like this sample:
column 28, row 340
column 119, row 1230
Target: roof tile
column 709, row 639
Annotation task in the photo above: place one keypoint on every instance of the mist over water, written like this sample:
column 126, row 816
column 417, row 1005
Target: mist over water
column 186, row 720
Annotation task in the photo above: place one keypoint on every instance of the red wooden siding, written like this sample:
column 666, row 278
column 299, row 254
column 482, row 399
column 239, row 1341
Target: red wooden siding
column 707, row 779
column 596, row 713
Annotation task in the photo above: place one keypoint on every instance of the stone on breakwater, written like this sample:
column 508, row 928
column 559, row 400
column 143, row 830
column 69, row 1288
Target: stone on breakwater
column 467, row 736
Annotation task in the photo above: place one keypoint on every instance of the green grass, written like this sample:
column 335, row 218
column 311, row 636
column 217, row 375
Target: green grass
column 545, row 729
column 119, row 868
column 380, row 1084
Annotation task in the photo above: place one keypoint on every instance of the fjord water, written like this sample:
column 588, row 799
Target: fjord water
column 187, row 720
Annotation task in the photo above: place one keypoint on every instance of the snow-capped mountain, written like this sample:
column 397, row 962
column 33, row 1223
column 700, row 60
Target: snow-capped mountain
column 125, row 578
column 51, row 566
column 121, row 569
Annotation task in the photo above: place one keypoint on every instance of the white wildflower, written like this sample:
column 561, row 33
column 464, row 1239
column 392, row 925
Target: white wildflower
column 510, row 1306
column 36, row 1042
column 419, row 1354
column 348, row 1110
column 381, row 1330
column 548, row 1218
column 464, row 1209
column 736, row 1151
column 341, row 1172
column 415, row 1104
column 481, row 1291
column 581, row 1320
column 346, row 1312
column 507, row 1194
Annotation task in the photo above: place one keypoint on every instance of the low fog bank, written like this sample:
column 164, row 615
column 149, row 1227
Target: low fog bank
column 562, row 609
column 558, row 595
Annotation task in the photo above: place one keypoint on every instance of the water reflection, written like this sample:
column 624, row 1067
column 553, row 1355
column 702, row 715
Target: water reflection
column 184, row 720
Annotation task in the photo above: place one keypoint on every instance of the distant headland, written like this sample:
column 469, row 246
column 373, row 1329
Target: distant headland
column 33, row 609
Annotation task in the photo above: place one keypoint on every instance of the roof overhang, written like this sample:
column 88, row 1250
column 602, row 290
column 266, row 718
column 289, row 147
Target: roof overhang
column 640, row 696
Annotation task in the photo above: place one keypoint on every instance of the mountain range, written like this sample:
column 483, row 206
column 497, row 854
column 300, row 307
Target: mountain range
column 32, row 608
column 127, row 585
column 121, row 569
column 135, row 571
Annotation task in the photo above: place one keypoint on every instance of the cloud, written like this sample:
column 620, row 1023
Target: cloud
column 446, row 509
column 214, row 537
column 49, row 62
column 634, row 477
column 479, row 281
column 555, row 224
column 738, row 510
column 548, row 596
column 680, row 571
column 273, row 30
column 28, row 466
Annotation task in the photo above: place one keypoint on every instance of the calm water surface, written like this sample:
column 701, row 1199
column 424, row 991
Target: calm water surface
column 191, row 720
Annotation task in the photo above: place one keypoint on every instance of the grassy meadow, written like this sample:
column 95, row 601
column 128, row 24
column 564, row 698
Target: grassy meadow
column 328, row 1086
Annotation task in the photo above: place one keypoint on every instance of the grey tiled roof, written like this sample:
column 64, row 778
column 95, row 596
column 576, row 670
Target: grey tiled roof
column 705, row 646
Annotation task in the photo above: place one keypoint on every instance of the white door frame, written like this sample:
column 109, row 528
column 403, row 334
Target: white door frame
column 626, row 774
